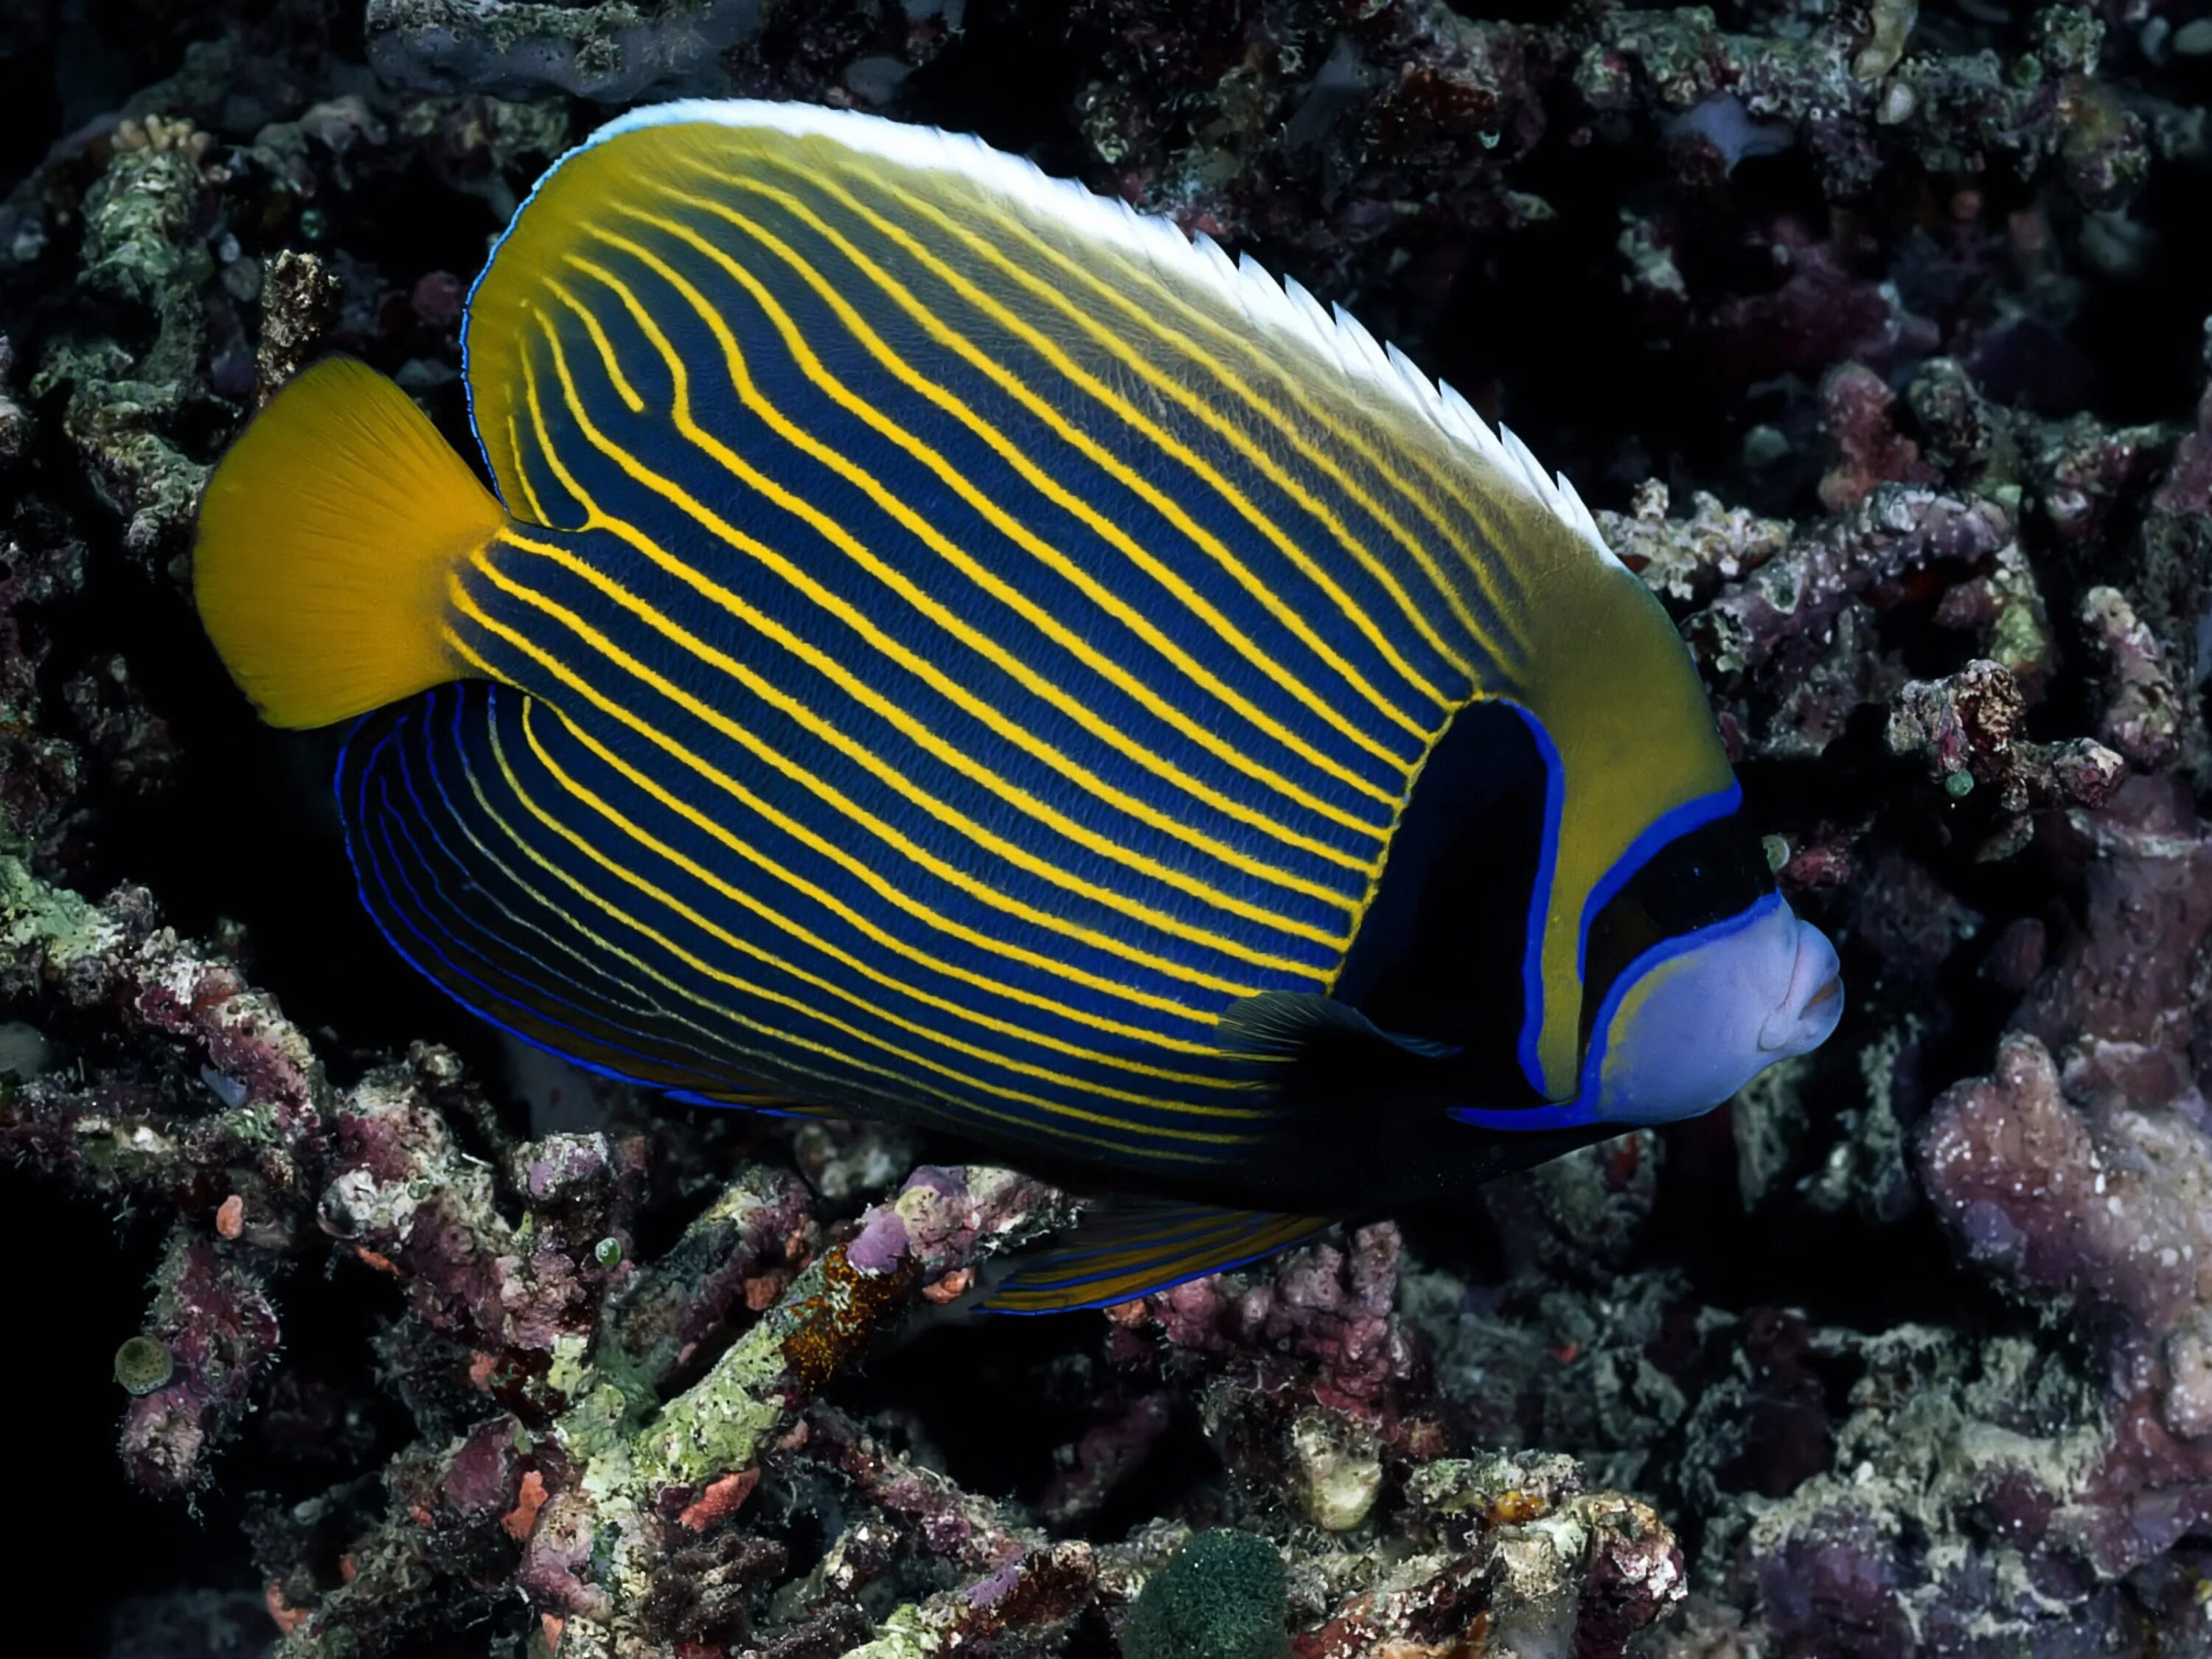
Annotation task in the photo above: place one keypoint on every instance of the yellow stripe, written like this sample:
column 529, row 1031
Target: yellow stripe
column 1165, row 442
column 903, row 947
column 773, row 1064
column 855, row 866
column 845, row 805
column 644, row 1006
column 929, row 673
column 1073, row 434
column 834, row 797
column 826, row 732
column 634, row 404
column 1030, row 543
column 632, row 1004
column 782, row 999
column 980, row 574
column 517, row 1010
column 1000, row 899
column 1150, row 320
column 1467, row 490
column 522, row 473
column 852, row 865
column 776, row 1065
column 767, row 912
column 1167, row 386
column 1129, row 615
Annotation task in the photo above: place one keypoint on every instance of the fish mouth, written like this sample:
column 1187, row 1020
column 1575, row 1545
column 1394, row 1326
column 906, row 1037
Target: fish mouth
column 1813, row 1001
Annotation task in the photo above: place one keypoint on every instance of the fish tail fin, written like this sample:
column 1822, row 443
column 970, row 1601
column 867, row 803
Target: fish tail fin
column 326, row 537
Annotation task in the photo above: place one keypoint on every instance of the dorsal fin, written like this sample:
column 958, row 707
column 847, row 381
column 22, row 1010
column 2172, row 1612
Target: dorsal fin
column 1284, row 311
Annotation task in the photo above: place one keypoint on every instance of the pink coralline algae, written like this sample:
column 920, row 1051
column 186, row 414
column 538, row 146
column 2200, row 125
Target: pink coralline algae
column 2080, row 1171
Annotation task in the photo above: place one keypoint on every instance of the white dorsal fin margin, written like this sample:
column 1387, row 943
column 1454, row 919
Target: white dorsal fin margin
column 1466, row 421
column 1531, row 468
column 1579, row 514
column 1285, row 306
column 1224, row 268
column 1314, row 316
column 1264, row 299
column 1413, row 383
column 1324, row 321
column 1350, row 328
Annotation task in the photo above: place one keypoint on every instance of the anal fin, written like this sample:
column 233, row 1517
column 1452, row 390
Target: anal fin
column 763, row 1101
column 1132, row 1247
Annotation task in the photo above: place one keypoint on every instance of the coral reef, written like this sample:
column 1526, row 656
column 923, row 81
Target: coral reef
column 1876, row 335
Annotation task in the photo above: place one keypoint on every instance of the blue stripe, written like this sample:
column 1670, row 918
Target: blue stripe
column 354, row 828
column 1669, row 827
column 523, row 993
column 616, row 992
column 781, row 382
column 1540, row 903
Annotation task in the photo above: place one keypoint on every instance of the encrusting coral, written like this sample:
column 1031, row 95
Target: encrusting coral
column 1875, row 334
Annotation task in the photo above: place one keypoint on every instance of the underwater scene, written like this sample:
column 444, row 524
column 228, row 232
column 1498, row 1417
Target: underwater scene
column 1246, row 829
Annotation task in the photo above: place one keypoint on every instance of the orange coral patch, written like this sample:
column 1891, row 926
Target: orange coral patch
column 287, row 1617
column 721, row 1499
column 529, row 1498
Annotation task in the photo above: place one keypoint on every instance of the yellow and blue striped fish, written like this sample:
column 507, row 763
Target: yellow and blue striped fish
column 948, row 648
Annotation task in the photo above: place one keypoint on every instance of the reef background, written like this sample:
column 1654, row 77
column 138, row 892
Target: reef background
column 1877, row 335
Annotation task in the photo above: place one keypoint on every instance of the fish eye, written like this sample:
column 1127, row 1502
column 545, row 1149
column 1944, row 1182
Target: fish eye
column 1703, row 876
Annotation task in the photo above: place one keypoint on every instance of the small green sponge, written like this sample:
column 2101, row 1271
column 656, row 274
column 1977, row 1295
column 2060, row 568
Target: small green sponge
column 1221, row 1597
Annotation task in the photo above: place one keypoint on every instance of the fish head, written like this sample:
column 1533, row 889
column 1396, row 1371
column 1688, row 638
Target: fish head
column 1698, row 1014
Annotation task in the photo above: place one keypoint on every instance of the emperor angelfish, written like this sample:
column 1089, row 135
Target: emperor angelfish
column 947, row 648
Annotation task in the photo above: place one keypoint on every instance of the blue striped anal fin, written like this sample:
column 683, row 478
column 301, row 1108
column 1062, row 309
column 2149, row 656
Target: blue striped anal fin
column 765, row 1102
column 470, row 890
column 1129, row 1248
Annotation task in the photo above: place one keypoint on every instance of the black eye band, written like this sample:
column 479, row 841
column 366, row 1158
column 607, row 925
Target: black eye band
column 1713, row 872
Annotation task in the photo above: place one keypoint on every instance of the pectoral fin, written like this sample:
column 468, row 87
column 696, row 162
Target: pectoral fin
column 1135, row 1247
column 1313, row 1054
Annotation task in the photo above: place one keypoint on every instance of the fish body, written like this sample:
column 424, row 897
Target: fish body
column 947, row 648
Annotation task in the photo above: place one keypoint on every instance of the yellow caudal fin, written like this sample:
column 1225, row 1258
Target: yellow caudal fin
column 325, row 539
